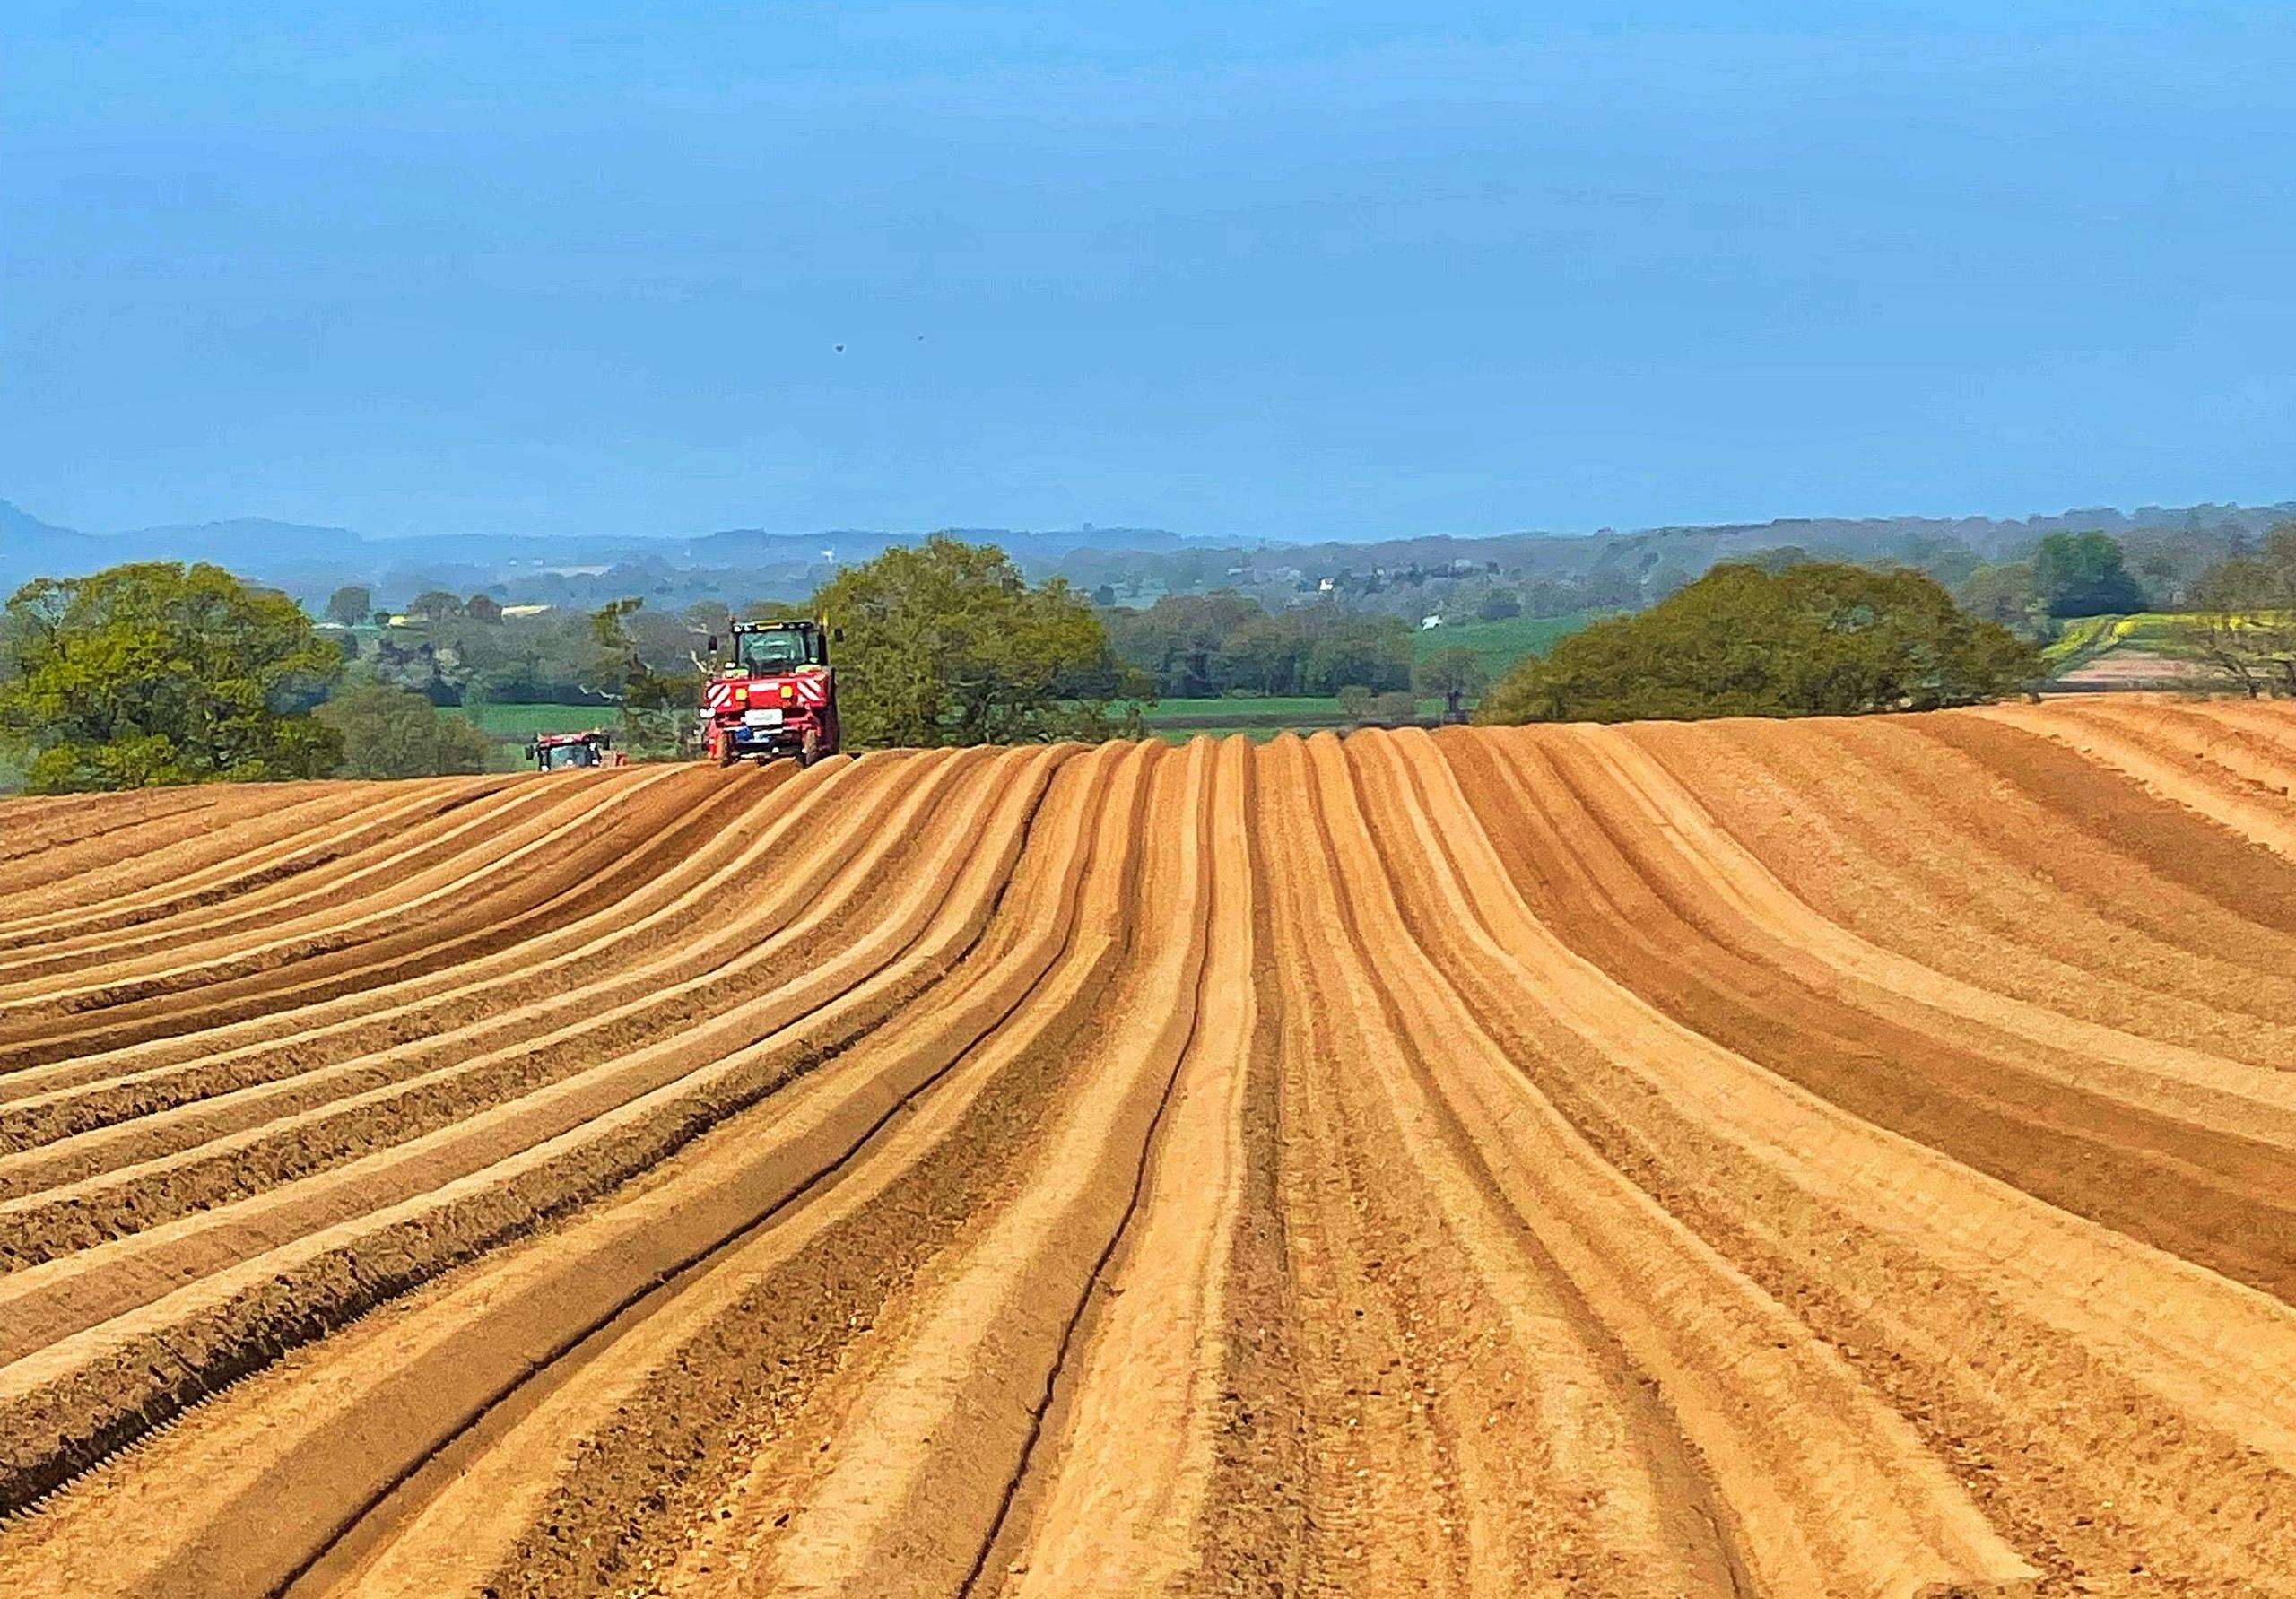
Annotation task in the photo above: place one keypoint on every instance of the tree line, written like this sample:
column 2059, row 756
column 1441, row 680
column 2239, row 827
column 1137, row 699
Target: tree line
column 2241, row 609
column 2246, row 609
column 2068, row 575
column 1192, row 647
column 468, row 650
column 157, row 672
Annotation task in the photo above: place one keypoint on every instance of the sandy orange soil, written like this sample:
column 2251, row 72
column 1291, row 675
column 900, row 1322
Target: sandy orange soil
column 1844, row 1158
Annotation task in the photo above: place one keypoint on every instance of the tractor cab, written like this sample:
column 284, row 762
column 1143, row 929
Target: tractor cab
column 776, row 649
column 772, row 693
column 564, row 752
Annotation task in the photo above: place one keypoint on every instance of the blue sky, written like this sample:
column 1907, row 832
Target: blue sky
column 1274, row 270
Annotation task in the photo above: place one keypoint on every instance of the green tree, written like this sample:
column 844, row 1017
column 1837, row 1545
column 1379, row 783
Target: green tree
column 1265, row 656
column 350, row 604
column 389, row 732
column 434, row 605
column 946, row 643
column 2084, row 574
column 657, row 703
column 535, row 659
column 1498, row 604
column 2246, row 615
column 1196, row 646
column 1395, row 709
column 2164, row 576
column 1179, row 639
column 1374, row 651
column 154, row 673
column 484, row 608
column 1457, row 675
column 1811, row 640
column 2008, row 594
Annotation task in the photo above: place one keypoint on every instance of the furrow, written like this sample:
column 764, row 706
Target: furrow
column 2244, row 794
column 287, row 1021
column 1974, row 1306
column 1129, row 1453
column 263, row 860
column 759, row 1326
column 65, row 1296
column 982, row 1339
column 71, row 1120
column 1827, row 1490
column 412, row 1384
column 2124, row 910
column 88, row 1387
column 2203, row 1169
column 694, row 1000
column 439, row 869
column 129, row 865
column 38, row 827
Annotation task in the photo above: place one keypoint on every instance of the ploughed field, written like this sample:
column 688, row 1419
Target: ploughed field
column 1827, row 1158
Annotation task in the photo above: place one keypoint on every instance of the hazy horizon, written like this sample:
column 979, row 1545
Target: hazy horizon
column 1122, row 526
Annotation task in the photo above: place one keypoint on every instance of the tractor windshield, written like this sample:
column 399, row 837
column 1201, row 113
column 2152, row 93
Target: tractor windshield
column 557, row 757
column 768, row 651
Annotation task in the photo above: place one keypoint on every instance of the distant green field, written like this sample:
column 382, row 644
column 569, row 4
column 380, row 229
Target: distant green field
column 2168, row 632
column 519, row 723
column 1180, row 735
column 1242, row 712
column 1501, row 644
column 512, row 726
column 1255, row 714
column 2080, row 639
column 1497, row 643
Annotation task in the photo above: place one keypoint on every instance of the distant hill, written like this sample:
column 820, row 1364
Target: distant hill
column 29, row 547
column 735, row 565
column 745, row 545
column 280, row 552
column 1409, row 576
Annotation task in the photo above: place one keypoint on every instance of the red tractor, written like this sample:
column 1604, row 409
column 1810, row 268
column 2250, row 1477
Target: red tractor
column 774, row 695
column 563, row 752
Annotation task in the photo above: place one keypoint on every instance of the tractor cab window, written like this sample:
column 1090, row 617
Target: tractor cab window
column 769, row 651
column 558, row 757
